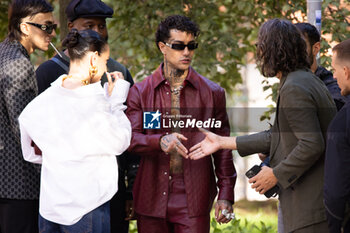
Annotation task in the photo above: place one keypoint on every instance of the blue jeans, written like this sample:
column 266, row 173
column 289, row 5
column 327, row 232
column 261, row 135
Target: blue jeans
column 96, row 221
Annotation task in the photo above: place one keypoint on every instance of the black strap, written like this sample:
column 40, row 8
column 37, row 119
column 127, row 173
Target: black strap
column 61, row 64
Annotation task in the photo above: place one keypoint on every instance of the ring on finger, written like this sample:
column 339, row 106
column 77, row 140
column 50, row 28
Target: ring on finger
column 227, row 214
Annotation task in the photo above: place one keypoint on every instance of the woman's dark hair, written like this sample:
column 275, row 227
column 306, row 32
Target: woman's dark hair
column 280, row 47
column 178, row 22
column 20, row 9
column 79, row 43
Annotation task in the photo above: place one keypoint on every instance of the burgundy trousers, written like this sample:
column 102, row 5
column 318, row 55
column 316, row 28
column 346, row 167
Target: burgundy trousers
column 177, row 219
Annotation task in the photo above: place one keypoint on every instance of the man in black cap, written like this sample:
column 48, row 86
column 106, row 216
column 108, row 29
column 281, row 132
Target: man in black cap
column 92, row 14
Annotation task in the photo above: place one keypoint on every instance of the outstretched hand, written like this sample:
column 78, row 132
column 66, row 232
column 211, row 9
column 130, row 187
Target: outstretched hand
column 112, row 79
column 209, row 145
column 172, row 142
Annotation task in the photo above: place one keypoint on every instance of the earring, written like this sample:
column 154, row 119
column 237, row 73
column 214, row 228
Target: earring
column 92, row 71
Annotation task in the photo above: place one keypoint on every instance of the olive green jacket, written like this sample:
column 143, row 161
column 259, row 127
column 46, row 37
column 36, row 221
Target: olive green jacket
column 296, row 143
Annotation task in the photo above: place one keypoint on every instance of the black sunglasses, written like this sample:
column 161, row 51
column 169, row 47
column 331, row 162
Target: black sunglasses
column 46, row 28
column 190, row 46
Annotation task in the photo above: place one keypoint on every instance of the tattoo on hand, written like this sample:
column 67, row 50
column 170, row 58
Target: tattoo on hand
column 164, row 146
column 166, row 138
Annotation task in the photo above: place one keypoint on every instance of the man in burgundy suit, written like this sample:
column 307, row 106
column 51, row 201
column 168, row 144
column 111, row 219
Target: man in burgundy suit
column 171, row 192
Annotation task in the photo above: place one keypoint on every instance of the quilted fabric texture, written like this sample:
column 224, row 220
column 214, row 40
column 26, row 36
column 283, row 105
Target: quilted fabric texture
column 18, row 179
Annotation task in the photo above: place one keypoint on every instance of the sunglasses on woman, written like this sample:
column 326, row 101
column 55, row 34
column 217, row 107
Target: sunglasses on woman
column 44, row 27
column 190, row 46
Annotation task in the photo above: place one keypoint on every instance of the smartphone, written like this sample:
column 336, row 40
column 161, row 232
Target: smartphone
column 253, row 172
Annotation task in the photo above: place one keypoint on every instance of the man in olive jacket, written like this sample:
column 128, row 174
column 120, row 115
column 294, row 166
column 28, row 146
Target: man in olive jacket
column 296, row 141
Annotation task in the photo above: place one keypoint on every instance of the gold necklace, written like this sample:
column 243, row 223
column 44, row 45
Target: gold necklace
column 83, row 82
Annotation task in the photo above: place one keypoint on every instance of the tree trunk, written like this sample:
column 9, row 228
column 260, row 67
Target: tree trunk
column 63, row 18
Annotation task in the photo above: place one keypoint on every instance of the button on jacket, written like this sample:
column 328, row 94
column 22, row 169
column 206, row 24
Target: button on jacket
column 18, row 179
column 200, row 100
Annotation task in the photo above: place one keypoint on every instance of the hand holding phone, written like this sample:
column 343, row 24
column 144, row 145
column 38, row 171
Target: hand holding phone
column 253, row 172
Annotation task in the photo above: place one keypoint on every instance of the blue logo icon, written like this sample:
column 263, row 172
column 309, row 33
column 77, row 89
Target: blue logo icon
column 151, row 120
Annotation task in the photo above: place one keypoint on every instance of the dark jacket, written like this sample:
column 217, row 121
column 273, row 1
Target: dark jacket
column 50, row 70
column 327, row 78
column 18, row 179
column 337, row 171
column 296, row 143
column 200, row 99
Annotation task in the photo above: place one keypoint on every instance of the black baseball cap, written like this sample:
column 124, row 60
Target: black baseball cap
column 87, row 8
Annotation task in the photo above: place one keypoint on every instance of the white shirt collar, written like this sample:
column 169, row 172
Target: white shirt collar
column 83, row 91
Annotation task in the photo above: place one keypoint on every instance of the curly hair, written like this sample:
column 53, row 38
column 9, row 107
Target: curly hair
column 178, row 22
column 280, row 47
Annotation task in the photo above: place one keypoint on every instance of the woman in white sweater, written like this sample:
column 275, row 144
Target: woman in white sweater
column 80, row 127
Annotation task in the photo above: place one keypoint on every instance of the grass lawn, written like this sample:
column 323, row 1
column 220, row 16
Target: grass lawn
column 251, row 217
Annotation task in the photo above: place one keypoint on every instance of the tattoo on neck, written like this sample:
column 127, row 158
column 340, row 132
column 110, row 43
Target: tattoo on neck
column 174, row 76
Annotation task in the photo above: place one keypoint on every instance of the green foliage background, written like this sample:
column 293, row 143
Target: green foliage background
column 228, row 31
column 3, row 18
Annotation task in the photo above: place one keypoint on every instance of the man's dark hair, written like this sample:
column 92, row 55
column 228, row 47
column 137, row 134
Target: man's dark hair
column 178, row 22
column 20, row 9
column 310, row 31
column 79, row 43
column 280, row 47
column 343, row 50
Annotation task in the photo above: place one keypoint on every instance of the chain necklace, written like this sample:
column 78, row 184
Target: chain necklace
column 83, row 82
column 177, row 90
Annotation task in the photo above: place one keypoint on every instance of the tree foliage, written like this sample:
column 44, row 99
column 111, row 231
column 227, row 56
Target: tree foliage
column 229, row 30
column 4, row 4
column 219, row 54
